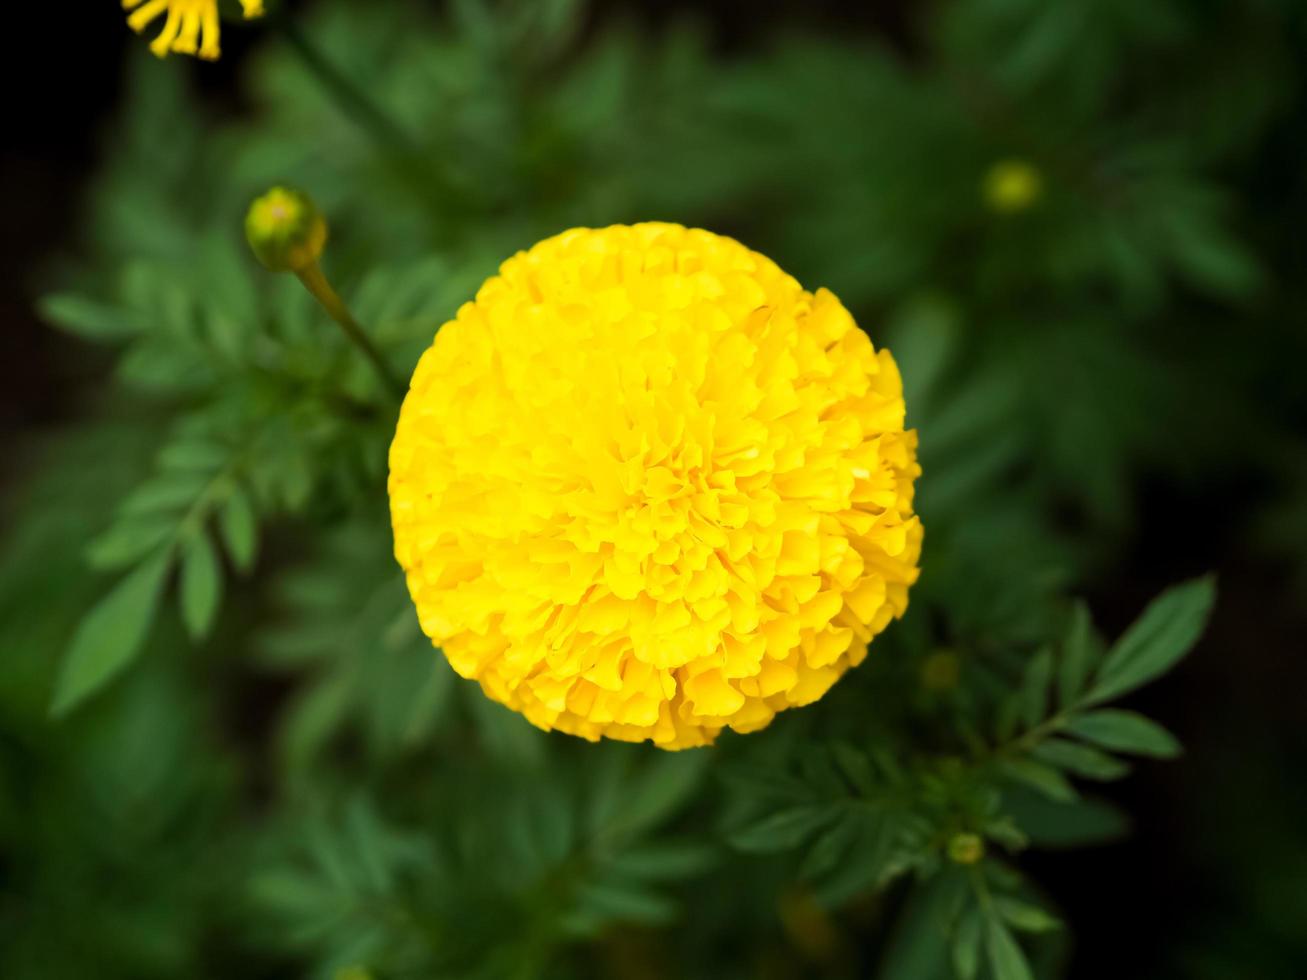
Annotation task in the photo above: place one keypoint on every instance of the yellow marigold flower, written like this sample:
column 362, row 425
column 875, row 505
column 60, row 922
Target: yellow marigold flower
column 646, row 486
column 191, row 27
column 1012, row 186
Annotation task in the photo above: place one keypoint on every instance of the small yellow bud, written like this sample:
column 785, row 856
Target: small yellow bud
column 286, row 230
column 1011, row 186
column 966, row 848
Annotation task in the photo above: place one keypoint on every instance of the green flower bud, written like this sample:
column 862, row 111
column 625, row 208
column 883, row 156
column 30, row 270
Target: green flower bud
column 286, row 230
column 1012, row 186
column 966, row 848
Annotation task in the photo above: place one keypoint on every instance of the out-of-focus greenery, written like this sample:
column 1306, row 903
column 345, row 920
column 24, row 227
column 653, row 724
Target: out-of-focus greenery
column 1053, row 213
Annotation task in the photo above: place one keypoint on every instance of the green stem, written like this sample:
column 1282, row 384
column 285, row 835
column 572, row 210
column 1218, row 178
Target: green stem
column 316, row 283
column 400, row 150
column 981, row 888
column 1033, row 736
column 351, row 99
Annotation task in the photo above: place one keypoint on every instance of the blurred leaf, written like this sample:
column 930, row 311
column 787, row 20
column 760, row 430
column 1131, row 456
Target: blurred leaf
column 1166, row 631
column 1039, row 776
column 87, row 318
column 1080, row 652
column 111, row 634
column 239, row 529
column 126, row 542
column 1053, row 824
column 201, row 584
column 1025, row 917
column 1034, row 688
column 193, row 454
column 625, row 903
column 1079, row 759
column 1005, row 956
column 1125, row 731
column 665, row 785
column 966, row 944
column 783, row 830
column 663, row 861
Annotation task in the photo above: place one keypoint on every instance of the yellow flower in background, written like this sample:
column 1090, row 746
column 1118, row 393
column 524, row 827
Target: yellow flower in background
column 191, row 26
column 1011, row 186
column 646, row 486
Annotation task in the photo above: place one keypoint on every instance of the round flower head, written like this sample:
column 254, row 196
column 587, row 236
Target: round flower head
column 191, row 26
column 647, row 487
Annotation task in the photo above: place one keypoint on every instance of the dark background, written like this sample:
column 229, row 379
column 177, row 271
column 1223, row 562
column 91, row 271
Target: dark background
column 1214, row 870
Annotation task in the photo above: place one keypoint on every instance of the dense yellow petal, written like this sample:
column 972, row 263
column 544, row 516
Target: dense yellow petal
column 646, row 486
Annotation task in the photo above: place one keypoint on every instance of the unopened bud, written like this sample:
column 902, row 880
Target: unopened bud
column 286, row 230
column 966, row 848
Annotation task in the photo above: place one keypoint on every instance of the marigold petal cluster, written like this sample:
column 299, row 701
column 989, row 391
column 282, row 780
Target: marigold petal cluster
column 191, row 26
column 646, row 486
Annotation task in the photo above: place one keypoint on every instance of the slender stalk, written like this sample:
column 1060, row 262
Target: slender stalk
column 316, row 283
column 400, row 151
column 351, row 99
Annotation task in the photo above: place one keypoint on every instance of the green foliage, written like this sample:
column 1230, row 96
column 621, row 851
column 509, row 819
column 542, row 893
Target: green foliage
column 258, row 747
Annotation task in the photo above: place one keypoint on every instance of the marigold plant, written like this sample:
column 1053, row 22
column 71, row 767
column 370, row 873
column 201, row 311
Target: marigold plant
column 646, row 486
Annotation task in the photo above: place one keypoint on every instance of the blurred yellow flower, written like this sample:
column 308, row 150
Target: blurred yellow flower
column 1011, row 186
column 646, row 486
column 191, row 26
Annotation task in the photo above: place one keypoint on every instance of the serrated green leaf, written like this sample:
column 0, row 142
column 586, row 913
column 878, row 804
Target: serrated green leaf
column 1004, row 830
column 1034, row 688
column 830, row 847
column 240, row 532
column 88, row 318
column 966, row 944
column 1166, row 631
column 1052, row 824
column 1080, row 650
column 1025, row 917
column 167, row 492
column 1125, row 731
column 504, row 734
column 1005, row 957
column 856, row 768
column 201, row 584
column 1079, row 759
column 128, row 541
column 872, row 859
column 625, row 902
column 111, row 634
column 783, row 830
column 193, row 454
column 1038, row 776
column 312, row 718
column 663, row 861
column 665, row 785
